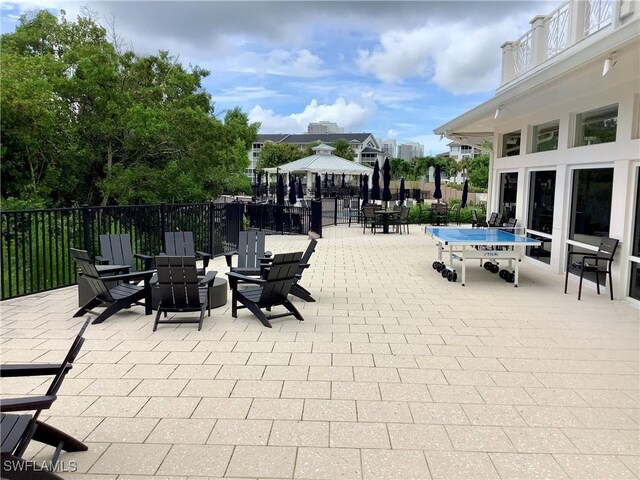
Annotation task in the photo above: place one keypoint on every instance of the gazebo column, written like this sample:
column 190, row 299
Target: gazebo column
column 310, row 179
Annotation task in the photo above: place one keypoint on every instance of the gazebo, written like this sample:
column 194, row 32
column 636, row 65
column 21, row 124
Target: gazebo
column 323, row 161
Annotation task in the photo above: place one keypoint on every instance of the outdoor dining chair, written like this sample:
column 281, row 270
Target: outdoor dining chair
column 598, row 263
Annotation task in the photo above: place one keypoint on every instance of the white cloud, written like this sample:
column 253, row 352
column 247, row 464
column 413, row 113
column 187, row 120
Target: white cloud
column 243, row 94
column 392, row 134
column 300, row 63
column 349, row 115
column 459, row 57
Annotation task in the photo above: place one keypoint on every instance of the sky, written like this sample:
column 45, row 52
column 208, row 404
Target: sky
column 393, row 68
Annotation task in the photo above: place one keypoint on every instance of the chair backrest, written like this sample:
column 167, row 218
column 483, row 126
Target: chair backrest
column 494, row 219
column 607, row 248
column 309, row 251
column 179, row 244
column 279, row 278
column 178, row 282
column 404, row 213
column 250, row 249
column 89, row 271
column 474, row 216
column 117, row 249
column 71, row 356
column 369, row 211
column 511, row 223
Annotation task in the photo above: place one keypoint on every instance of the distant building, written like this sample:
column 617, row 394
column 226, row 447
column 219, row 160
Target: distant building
column 410, row 150
column 364, row 145
column 458, row 151
column 390, row 147
column 324, row 128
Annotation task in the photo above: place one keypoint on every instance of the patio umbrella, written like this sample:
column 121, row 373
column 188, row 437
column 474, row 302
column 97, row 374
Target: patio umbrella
column 344, row 181
column 386, row 181
column 403, row 192
column 360, row 181
column 318, row 192
column 375, row 188
column 280, row 191
column 326, row 180
column 292, row 190
column 437, row 180
column 333, row 180
column 465, row 194
column 300, row 190
column 258, row 182
column 365, row 190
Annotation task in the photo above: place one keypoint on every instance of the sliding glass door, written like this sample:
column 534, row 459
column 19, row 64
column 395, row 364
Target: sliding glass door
column 542, row 189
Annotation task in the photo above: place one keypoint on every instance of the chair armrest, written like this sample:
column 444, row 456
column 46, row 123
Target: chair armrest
column 208, row 278
column 102, row 260
column 244, row 278
column 30, row 369
column 144, row 275
column 203, row 255
column 21, row 404
column 146, row 259
column 228, row 255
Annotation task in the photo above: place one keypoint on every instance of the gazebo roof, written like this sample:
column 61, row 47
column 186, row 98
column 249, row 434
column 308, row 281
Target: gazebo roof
column 322, row 162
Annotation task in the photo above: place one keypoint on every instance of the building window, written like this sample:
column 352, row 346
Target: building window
column 511, row 144
column 541, row 199
column 597, row 126
column 634, row 287
column 591, row 205
column 508, row 194
column 545, row 137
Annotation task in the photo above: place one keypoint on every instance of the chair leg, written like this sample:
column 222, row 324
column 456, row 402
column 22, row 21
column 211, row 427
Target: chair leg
column 289, row 306
column 49, row 435
column 580, row 285
column 610, row 283
column 94, row 302
column 110, row 310
column 253, row 308
column 566, row 278
column 234, row 304
column 201, row 316
column 598, row 282
column 302, row 293
column 157, row 320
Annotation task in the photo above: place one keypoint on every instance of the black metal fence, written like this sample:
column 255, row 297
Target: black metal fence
column 273, row 218
column 35, row 253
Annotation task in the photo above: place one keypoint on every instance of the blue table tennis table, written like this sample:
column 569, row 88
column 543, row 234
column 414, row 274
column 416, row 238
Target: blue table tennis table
column 488, row 245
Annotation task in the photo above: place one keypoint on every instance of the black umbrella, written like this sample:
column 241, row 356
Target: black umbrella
column 403, row 192
column 437, row 180
column 318, row 187
column 280, row 191
column 465, row 194
column 365, row 190
column 360, row 181
column 258, row 184
column 386, row 181
column 300, row 190
column 375, row 188
column 344, row 181
column 326, row 180
column 292, row 190
column 333, row 180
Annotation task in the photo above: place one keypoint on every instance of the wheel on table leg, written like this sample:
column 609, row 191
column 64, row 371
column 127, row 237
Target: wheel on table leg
column 502, row 274
column 452, row 277
column 495, row 268
column 444, row 273
column 435, row 265
column 511, row 277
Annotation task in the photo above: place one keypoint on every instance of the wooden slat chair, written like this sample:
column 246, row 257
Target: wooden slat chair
column 271, row 290
column 116, row 298
column 251, row 253
column 180, row 244
column 18, row 430
column 180, row 289
column 115, row 249
column 296, row 289
column 598, row 263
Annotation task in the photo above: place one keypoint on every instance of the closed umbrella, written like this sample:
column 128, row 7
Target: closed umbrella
column 375, row 188
column 386, row 181
column 437, row 180
column 465, row 194
column 365, row 190
column 318, row 192
column 326, row 180
column 258, row 184
column 344, row 181
column 300, row 190
column 292, row 190
column 333, row 180
column 280, row 191
column 403, row 192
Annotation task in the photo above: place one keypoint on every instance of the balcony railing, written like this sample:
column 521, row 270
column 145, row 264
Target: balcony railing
column 552, row 34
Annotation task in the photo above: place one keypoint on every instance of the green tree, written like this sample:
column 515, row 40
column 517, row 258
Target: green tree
column 276, row 154
column 343, row 149
column 400, row 168
column 478, row 173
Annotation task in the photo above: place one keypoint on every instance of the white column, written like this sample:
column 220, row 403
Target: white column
column 539, row 40
column 622, row 209
column 508, row 65
column 561, row 219
column 577, row 17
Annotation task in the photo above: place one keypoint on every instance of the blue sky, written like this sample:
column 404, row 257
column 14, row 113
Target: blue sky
column 396, row 69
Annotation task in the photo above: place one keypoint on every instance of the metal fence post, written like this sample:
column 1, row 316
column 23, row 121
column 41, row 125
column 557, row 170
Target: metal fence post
column 316, row 216
column 86, row 225
column 163, row 225
column 335, row 211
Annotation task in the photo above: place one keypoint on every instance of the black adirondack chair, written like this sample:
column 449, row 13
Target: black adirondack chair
column 18, row 430
column 115, row 249
column 297, row 290
column 180, row 289
column 272, row 289
column 251, row 254
column 180, row 244
column 116, row 298
column 600, row 263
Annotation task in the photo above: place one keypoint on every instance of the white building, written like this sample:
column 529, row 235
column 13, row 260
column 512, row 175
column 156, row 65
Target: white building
column 364, row 145
column 390, row 147
column 565, row 125
column 459, row 151
column 324, row 127
column 410, row 150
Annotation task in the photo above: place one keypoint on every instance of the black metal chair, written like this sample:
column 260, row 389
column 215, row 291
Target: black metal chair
column 600, row 263
column 272, row 289
column 116, row 298
column 494, row 220
column 180, row 289
column 369, row 218
column 18, row 430
column 115, row 249
column 180, row 244
column 251, row 253
column 476, row 222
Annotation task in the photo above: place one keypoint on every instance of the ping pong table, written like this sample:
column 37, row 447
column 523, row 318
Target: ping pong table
column 490, row 245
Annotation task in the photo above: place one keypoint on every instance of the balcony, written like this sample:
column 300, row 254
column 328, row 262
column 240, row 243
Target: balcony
column 566, row 27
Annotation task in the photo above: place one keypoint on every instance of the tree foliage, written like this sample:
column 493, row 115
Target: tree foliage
column 84, row 122
column 275, row 154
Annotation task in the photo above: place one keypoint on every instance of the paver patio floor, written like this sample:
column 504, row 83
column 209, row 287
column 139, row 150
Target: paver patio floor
column 394, row 374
